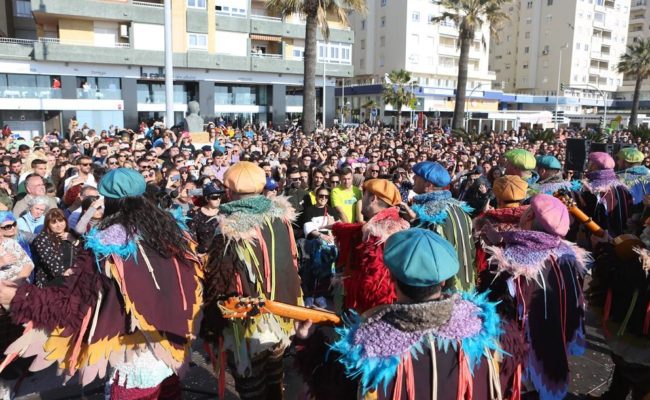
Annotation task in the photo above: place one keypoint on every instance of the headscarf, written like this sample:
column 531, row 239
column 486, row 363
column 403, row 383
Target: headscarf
column 7, row 216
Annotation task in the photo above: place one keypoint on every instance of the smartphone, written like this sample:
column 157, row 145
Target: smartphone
column 195, row 192
column 175, row 178
column 189, row 163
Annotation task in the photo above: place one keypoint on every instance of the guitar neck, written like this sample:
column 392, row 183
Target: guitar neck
column 301, row 313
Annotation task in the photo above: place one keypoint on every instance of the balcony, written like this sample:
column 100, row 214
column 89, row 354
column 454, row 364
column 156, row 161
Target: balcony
column 148, row 11
column 638, row 4
column 29, row 92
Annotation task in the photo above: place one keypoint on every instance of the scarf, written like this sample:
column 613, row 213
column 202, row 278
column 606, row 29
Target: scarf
column 602, row 180
column 432, row 207
column 525, row 252
column 249, row 205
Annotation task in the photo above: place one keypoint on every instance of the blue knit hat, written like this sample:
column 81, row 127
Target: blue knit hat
column 7, row 216
column 548, row 162
column 419, row 257
column 122, row 182
column 432, row 172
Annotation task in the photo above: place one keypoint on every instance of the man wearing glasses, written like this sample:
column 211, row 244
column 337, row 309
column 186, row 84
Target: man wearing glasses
column 84, row 174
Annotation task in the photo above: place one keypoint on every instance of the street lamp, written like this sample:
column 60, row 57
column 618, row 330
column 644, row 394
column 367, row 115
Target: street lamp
column 466, row 111
column 557, row 93
column 412, row 84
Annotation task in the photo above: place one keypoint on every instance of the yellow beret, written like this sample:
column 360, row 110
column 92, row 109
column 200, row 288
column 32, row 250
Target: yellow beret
column 245, row 178
column 384, row 189
column 510, row 189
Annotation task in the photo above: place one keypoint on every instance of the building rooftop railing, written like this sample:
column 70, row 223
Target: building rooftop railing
column 27, row 42
column 265, row 17
column 81, row 43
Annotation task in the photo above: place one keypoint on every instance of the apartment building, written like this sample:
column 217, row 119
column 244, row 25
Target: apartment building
column 574, row 42
column 402, row 34
column 639, row 28
column 103, row 61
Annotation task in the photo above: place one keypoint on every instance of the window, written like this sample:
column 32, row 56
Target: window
column 529, row 4
column 527, row 35
column 526, row 50
column 382, row 41
column 415, row 17
column 382, row 22
column 362, row 63
column 381, row 61
column 578, row 46
column 599, row 17
column 549, row 2
column 23, row 9
column 363, row 25
column 196, row 4
column 600, row 2
column 529, row 20
column 335, row 53
column 298, row 52
column 586, row 46
column 525, row 66
column 197, row 41
column 431, row 19
column 549, row 18
column 363, row 44
column 383, row 3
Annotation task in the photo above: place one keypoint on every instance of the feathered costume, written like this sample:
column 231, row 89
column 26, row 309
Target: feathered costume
column 448, row 217
column 620, row 294
column 366, row 279
column 606, row 200
column 443, row 349
column 254, row 254
column 538, row 279
column 124, row 309
column 637, row 180
column 499, row 219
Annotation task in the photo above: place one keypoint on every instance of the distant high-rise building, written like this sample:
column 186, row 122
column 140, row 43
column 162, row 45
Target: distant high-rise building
column 588, row 36
column 403, row 34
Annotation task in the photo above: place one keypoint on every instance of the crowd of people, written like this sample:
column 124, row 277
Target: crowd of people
column 461, row 269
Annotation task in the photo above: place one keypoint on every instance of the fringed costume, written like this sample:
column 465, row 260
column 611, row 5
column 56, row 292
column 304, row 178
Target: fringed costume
column 366, row 279
column 607, row 201
column 500, row 220
column 442, row 349
column 448, row 217
column 538, row 280
column 619, row 293
column 254, row 254
column 637, row 180
column 124, row 313
column 553, row 184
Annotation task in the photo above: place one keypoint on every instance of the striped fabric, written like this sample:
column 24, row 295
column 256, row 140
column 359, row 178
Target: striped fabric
column 457, row 229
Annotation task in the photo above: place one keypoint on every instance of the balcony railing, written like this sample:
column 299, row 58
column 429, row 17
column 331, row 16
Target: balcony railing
column 158, row 97
column 267, row 55
column 29, row 92
column 148, row 4
column 229, row 14
column 82, row 43
column 27, row 42
column 99, row 94
column 265, row 17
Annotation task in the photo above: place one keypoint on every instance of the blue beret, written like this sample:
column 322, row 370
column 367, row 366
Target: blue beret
column 419, row 257
column 548, row 162
column 122, row 182
column 271, row 184
column 432, row 172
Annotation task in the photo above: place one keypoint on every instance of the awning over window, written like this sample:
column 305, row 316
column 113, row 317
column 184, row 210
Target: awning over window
column 267, row 38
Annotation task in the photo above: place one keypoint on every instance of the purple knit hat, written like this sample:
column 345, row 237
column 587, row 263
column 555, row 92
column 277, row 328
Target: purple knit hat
column 550, row 214
column 601, row 160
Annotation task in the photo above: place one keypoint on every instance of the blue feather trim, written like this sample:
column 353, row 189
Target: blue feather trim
column 181, row 220
column 102, row 250
column 374, row 372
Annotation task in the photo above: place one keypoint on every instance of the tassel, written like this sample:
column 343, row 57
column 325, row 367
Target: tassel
column 180, row 283
column 11, row 357
column 77, row 346
column 267, row 262
column 646, row 321
column 294, row 248
column 516, row 384
column 434, row 370
column 95, row 317
column 397, row 390
column 465, row 384
column 607, row 309
column 149, row 267
column 628, row 315
column 410, row 378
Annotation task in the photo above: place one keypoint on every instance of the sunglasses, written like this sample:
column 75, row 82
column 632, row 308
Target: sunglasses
column 323, row 196
column 214, row 197
column 146, row 167
column 374, row 170
column 85, row 164
column 112, row 163
column 335, row 182
column 8, row 227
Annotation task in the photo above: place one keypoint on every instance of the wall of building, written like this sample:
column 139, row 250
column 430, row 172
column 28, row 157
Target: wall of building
column 76, row 31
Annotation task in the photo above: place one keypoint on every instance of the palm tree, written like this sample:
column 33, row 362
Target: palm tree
column 636, row 62
column 397, row 92
column 315, row 12
column 469, row 16
column 368, row 106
